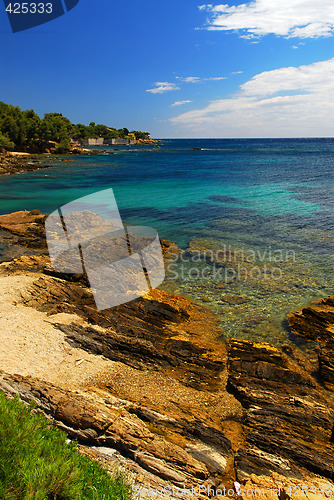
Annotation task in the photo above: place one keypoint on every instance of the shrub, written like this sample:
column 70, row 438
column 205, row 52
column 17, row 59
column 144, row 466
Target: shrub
column 63, row 147
column 5, row 142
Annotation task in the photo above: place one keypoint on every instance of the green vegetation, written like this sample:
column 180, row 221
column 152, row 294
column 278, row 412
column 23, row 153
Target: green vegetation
column 36, row 462
column 5, row 142
column 26, row 131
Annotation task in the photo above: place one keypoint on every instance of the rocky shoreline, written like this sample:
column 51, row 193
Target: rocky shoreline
column 15, row 162
column 23, row 162
column 151, row 386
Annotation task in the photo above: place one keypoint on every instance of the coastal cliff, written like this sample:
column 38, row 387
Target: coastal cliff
column 151, row 386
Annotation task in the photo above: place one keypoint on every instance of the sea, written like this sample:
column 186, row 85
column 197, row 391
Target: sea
column 254, row 219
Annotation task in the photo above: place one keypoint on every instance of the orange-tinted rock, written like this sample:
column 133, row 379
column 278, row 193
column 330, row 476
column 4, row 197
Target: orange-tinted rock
column 288, row 416
column 28, row 226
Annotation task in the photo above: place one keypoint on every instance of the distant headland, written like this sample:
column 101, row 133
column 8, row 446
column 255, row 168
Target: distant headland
column 25, row 131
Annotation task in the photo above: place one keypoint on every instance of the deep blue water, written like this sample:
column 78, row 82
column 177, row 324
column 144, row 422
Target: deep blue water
column 253, row 195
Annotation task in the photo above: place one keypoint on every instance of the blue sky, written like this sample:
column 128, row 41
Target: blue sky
column 180, row 68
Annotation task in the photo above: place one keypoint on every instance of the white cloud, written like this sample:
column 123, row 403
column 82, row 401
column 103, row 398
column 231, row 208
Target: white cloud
column 179, row 103
column 161, row 87
column 197, row 79
column 288, row 18
column 188, row 79
column 286, row 102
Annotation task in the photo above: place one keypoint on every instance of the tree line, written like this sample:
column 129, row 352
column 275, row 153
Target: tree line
column 26, row 131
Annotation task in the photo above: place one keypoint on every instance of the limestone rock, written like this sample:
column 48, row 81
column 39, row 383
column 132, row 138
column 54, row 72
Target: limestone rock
column 316, row 323
column 91, row 421
column 288, row 417
column 159, row 330
column 29, row 226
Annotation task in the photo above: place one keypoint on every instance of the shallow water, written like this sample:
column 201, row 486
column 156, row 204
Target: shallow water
column 254, row 216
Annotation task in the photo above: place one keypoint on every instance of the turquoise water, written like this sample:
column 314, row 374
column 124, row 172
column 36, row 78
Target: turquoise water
column 252, row 196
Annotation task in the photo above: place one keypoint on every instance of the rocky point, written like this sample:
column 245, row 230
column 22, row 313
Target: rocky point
column 162, row 394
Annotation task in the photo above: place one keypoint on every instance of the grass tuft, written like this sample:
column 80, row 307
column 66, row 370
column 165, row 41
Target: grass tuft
column 36, row 463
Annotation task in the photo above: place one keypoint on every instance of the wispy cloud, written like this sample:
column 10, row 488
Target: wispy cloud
column 188, row 79
column 286, row 102
column 297, row 46
column 197, row 79
column 161, row 87
column 288, row 18
column 179, row 103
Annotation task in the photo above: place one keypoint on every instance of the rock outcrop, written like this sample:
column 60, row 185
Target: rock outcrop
column 158, row 331
column 288, row 416
column 316, row 323
column 174, row 405
column 110, row 423
column 25, row 228
column 20, row 162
